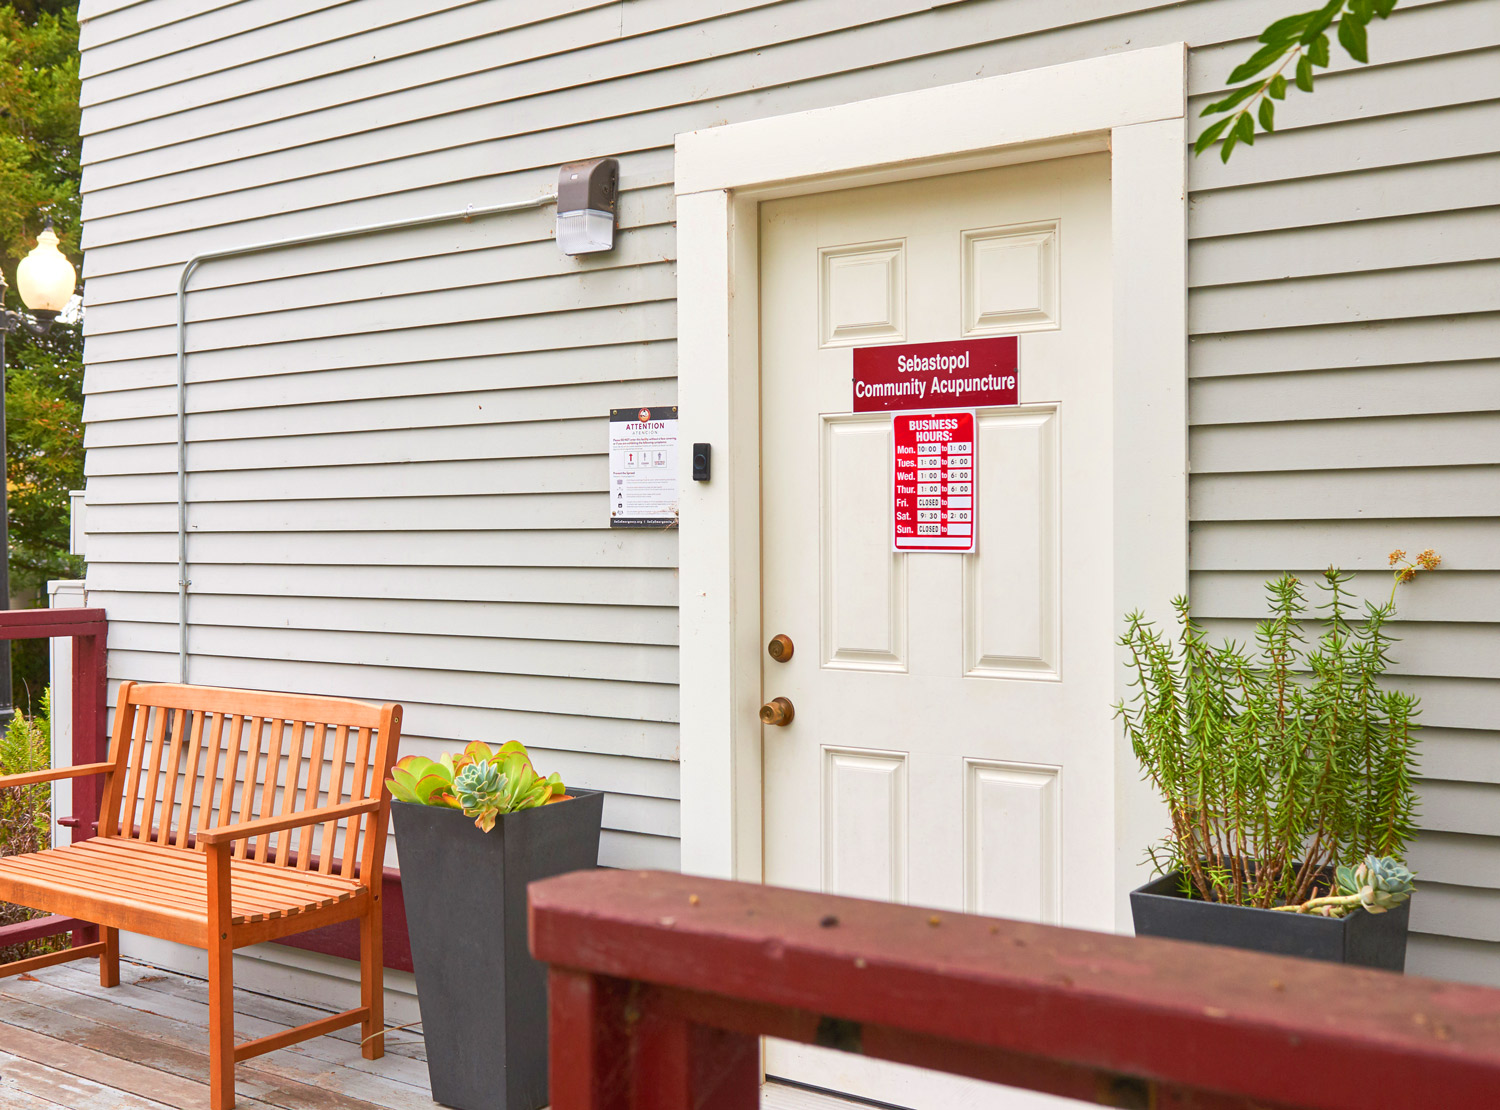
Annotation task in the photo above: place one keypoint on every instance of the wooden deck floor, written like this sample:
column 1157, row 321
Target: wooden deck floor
column 67, row 1042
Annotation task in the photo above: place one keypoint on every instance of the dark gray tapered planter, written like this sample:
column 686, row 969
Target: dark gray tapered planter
column 1365, row 939
column 483, row 998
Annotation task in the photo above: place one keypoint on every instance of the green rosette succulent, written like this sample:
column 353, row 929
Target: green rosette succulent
column 1378, row 885
column 480, row 790
column 1382, row 884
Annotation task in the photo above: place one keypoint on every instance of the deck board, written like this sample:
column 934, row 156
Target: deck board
column 142, row 1046
column 69, row 1044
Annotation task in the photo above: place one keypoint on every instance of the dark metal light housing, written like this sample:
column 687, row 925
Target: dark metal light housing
column 588, row 195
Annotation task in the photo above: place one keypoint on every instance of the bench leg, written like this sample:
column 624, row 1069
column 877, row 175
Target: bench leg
column 109, row 959
column 372, row 982
column 221, row 1026
column 220, row 945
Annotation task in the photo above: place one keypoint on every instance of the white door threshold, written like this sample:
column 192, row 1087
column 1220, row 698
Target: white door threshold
column 779, row 1096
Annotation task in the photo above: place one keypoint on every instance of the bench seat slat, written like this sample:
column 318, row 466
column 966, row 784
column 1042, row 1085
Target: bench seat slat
column 42, row 874
column 175, row 892
column 184, row 887
column 269, row 875
column 190, row 867
column 165, row 883
column 127, row 874
column 105, row 909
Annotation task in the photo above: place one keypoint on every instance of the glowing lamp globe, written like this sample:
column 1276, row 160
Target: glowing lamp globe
column 44, row 278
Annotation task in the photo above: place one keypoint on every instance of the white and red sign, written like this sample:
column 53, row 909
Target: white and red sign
column 962, row 374
column 937, row 506
column 643, row 467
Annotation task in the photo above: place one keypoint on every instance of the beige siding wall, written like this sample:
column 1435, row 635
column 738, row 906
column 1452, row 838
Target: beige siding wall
column 397, row 468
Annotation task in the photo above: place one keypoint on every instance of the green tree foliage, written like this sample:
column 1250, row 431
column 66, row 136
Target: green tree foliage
column 25, row 811
column 39, row 175
column 39, row 145
column 43, row 454
column 1291, row 49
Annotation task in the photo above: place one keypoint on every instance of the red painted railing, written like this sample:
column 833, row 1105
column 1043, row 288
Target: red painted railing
column 88, row 630
column 662, row 984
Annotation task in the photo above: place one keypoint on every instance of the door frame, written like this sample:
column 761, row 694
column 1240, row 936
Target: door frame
column 1132, row 105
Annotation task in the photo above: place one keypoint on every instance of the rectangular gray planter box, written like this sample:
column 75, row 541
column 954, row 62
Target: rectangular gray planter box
column 1161, row 909
column 482, row 996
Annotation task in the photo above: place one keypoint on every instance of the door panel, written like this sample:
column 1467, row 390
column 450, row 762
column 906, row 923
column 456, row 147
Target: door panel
column 863, row 294
column 863, row 590
column 1014, row 842
column 952, row 744
column 1010, row 279
column 864, row 823
column 1011, row 599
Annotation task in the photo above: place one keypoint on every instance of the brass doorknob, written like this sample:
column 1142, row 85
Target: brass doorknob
column 777, row 711
column 780, row 648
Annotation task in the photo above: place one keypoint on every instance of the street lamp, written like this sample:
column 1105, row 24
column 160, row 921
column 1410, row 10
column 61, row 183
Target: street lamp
column 45, row 280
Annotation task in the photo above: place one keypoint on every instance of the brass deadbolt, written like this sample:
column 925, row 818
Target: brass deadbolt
column 780, row 648
column 777, row 711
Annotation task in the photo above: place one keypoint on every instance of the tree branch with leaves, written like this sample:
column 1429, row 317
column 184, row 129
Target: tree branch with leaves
column 1298, row 44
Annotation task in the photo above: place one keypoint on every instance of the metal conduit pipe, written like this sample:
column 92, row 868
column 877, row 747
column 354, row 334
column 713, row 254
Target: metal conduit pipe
column 466, row 214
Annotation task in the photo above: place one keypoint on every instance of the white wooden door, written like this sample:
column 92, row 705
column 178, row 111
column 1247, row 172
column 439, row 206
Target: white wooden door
column 952, row 739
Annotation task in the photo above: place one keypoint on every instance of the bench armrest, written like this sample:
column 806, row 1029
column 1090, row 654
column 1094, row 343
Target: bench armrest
column 30, row 778
column 207, row 838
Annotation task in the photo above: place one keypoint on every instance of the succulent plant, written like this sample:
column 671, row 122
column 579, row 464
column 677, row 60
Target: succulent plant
column 481, row 781
column 1377, row 885
column 480, row 789
column 1382, row 884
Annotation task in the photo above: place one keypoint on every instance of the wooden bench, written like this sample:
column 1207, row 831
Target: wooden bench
column 230, row 817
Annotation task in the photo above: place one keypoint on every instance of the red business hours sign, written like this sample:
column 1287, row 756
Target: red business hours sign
column 934, row 487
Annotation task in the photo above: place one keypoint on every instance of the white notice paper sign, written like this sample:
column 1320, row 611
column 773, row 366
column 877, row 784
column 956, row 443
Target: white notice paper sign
column 643, row 467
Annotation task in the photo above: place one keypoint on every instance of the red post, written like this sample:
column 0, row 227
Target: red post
column 90, row 731
column 679, row 1064
column 90, row 740
column 589, row 1054
column 618, row 1046
column 88, row 629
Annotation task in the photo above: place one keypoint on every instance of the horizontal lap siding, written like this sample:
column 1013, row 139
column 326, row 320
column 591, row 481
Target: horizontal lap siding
column 1346, row 401
column 397, row 441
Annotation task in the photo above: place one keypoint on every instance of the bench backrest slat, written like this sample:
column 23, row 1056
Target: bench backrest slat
column 335, row 790
column 268, row 783
column 192, row 758
column 314, row 794
column 357, row 790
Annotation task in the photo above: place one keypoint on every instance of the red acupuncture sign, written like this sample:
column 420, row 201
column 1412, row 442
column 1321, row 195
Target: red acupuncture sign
column 936, row 503
column 958, row 374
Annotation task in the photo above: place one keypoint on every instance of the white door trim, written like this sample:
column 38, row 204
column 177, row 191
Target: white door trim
column 1131, row 104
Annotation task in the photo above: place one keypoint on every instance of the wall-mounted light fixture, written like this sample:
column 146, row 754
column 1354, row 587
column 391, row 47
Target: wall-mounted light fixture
column 588, row 195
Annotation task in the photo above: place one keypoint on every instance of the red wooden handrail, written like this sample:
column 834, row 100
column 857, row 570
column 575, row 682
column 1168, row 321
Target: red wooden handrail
column 89, row 632
column 661, row 985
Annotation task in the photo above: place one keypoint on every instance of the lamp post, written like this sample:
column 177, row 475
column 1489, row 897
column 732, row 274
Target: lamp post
column 45, row 280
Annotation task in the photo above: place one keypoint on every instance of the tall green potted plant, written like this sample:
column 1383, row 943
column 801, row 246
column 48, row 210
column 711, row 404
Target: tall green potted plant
column 1287, row 771
column 473, row 830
